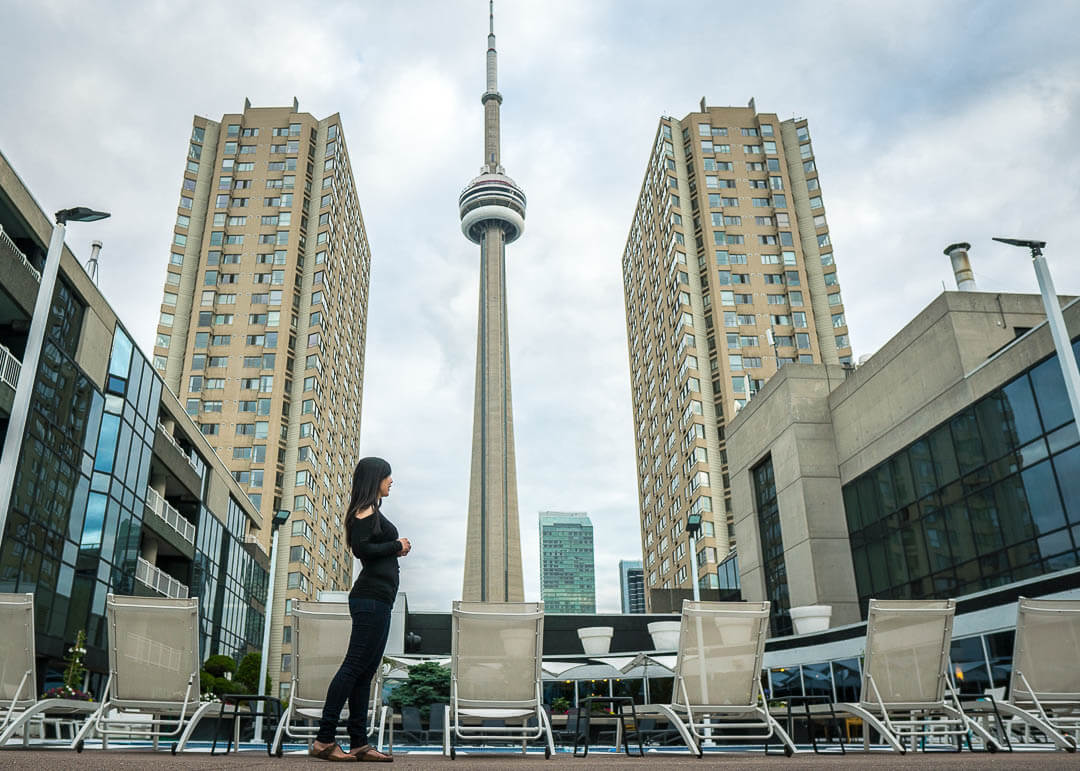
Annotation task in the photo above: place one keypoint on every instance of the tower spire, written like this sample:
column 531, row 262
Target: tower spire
column 491, row 100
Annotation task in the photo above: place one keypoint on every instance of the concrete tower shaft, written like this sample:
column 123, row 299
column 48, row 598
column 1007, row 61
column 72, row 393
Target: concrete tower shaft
column 492, row 210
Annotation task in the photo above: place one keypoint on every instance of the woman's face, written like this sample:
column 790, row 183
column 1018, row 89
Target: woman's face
column 384, row 487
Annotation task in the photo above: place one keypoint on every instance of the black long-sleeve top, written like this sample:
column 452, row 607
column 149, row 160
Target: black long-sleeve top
column 378, row 554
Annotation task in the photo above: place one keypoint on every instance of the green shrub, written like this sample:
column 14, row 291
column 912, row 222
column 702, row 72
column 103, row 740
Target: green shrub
column 428, row 683
column 247, row 673
column 219, row 665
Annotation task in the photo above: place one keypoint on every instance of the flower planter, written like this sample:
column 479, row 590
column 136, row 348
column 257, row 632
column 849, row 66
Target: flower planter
column 811, row 618
column 596, row 640
column 665, row 635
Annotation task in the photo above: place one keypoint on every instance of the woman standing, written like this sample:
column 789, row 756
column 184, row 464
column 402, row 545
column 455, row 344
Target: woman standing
column 375, row 542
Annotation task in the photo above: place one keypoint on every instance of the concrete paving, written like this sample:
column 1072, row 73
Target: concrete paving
column 46, row 759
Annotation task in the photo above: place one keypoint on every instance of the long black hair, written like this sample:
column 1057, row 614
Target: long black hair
column 366, row 480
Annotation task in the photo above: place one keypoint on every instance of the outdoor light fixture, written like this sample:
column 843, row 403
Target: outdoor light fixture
column 281, row 516
column 1054, row 319
column 693, row 523
column 80, row 214
column 16, row 428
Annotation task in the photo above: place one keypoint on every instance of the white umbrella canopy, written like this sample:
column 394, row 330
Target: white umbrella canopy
column 556, row 668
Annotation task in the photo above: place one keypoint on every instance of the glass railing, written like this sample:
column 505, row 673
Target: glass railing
column 9, row 367
column 159, row 581
column 170, row 515
column 7, row 245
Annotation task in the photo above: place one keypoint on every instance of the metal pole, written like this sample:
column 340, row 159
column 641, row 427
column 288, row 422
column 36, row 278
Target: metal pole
column 20, row 408
column 1058, row 331
column 693, row 568
column 266, row 633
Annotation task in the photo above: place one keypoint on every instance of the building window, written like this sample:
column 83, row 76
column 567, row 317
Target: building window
column 772, row 547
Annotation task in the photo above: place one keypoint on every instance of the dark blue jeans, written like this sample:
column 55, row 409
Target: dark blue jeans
column 352, row 683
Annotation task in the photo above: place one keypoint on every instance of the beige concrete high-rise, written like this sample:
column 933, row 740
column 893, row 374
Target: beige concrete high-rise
column 492, row 210
column 728, row 274
column 263, row 327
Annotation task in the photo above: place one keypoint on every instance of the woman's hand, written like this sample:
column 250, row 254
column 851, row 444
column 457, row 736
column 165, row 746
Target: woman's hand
column 406, row 547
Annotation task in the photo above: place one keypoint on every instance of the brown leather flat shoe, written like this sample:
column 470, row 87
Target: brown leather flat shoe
column 327, row 753
column 368, row 754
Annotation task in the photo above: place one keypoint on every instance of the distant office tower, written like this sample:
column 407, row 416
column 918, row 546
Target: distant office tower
column 567, row 569
column 263, row 327
column 728, row 274
column 492, row 210
column 631, row 586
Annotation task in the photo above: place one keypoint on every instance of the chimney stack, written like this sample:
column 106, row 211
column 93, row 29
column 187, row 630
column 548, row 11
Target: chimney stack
column 92, row 263
column 961, row 265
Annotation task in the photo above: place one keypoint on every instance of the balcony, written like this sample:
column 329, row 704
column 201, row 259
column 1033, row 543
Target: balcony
column 169, row 524
column 8, row 246
column 172, row 440
column 159, row 581
column 9, row 368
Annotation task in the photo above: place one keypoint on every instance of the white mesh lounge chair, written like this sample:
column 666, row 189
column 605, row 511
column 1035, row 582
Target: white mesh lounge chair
column 153, row 671
column 320, row 637
column 20, row 710
column 906, row 691
column 717, row 689
column 1044, row 692
column 496, row 652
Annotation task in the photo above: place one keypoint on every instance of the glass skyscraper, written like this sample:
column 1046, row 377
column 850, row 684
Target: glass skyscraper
column 567, row 569
column 631, row 586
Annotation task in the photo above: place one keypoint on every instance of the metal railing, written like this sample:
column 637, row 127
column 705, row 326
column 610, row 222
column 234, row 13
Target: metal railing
column 170, row 515
column 176, row 444
column 7, row 245
column 9, row 368
column 159, row 581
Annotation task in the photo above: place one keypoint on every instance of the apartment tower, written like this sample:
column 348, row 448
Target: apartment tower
column 492, row 210
column 262, row 331
column 567, row 566
column 728, row 274
column 631, row 586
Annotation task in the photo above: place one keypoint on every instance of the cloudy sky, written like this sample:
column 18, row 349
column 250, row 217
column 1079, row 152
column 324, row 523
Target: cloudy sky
column 932, row 122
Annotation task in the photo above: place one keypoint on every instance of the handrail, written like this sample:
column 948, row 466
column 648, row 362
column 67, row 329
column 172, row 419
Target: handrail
column 10, row 367
column 160, row 581
column 9, row 245
column 176, row 444
column 170, row 515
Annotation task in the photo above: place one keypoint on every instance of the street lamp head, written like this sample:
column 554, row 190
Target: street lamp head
column 280, row 518
column 693, row 523
column 79, row 214
column 1024, row 243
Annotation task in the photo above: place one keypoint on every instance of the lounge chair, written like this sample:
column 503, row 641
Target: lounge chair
column 906, row 691
column 1044, row 692
column 20, row 709
column 495, row 674
column 436, row 721
column 153, row 671
column 320, row 635
column 717, row 689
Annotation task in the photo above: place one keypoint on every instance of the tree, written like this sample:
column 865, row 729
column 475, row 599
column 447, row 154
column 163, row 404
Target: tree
column 428, row 683
column 218, row 665
column 247, row 673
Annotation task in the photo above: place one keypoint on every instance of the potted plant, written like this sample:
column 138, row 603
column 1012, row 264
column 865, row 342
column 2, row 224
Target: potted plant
column 73, row 675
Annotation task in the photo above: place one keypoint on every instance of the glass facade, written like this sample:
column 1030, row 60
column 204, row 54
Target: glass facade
column 75, row 525
column 727, row 573
column 567, row 569
column 772, row 548
column 988, row 497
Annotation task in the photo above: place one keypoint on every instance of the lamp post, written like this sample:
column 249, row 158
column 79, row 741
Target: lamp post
column 1055, row 320
column 280, row 518
column 20, row 408
column 693, row 527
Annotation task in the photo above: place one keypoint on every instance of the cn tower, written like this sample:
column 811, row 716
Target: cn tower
column 492, row 209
